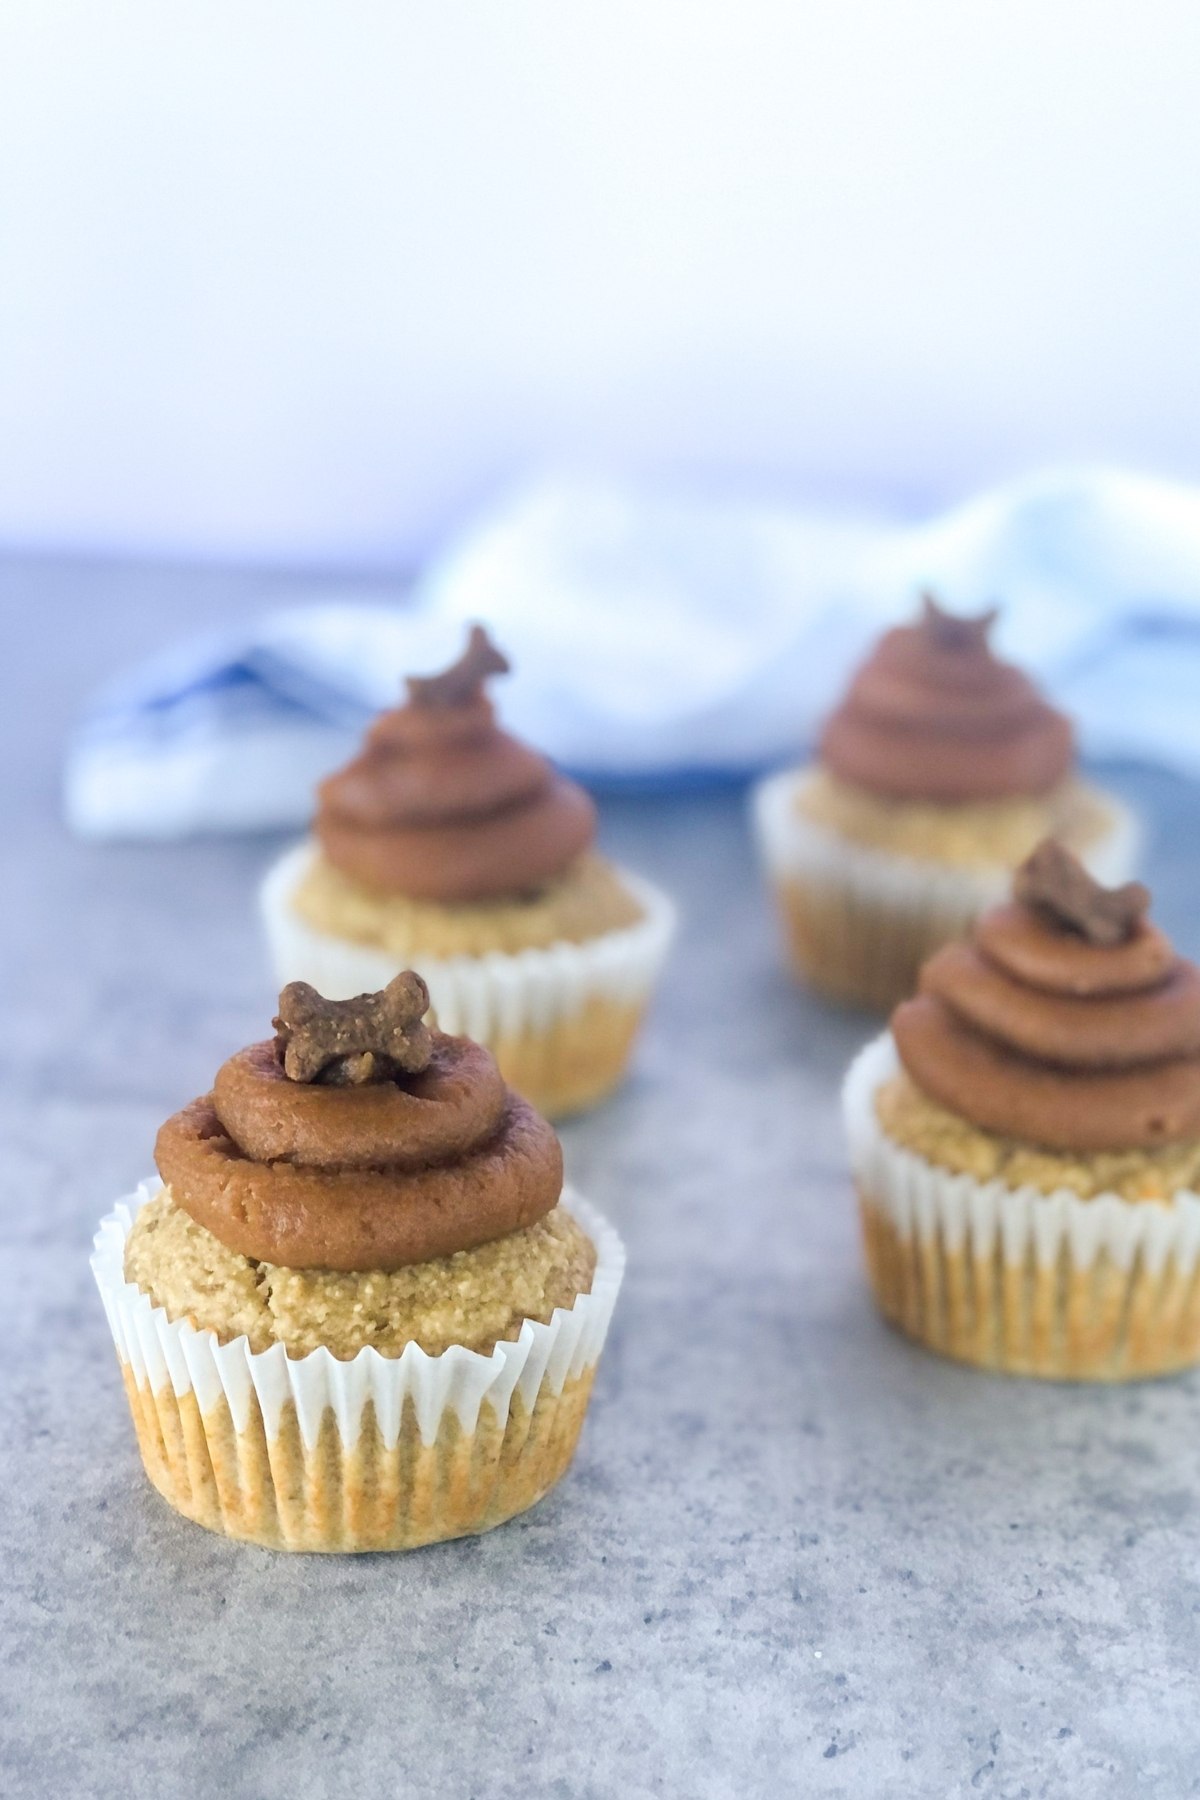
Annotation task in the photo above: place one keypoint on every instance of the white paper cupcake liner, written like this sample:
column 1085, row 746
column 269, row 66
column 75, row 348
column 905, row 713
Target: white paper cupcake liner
column 797, row 849
column 159, row 1352
column 487, row 998
column 1015, row 1280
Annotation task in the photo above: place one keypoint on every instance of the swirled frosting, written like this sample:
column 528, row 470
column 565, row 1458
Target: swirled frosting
column 1066, row 1021
column 443, row 805
column 360, row 1170
column 933, row 715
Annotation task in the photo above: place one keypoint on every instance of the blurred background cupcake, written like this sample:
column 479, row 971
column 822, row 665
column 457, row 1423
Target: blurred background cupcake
column 937, row 774
column 1026, row 1139
column 449, row 847
column 358, row 1312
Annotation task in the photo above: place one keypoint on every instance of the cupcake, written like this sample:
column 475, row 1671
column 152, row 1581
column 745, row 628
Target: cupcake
column 358, row 1311
column 1026, row 1139
column 451, row 848
column 937, row 775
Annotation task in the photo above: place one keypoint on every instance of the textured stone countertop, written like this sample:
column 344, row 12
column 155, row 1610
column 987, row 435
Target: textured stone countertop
column 794, row 1556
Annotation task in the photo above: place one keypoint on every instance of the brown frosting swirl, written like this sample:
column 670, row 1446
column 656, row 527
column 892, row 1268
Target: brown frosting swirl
column 1065, row 1021
column 443, row 805
column 369, row 1161
column 933, row 715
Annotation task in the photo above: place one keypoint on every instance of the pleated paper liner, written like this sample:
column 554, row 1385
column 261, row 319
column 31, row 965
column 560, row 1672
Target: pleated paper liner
column 1015, row 1280
column 374, row 1453
column 560, row 1021
column 858, row 923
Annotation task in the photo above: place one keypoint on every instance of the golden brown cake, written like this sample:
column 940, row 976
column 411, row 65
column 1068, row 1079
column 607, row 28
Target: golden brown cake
column 448, row 845
column 361, row 1267
column 1026, row 1139
column 586, row 901
column 474, row 1297
column 937, row 774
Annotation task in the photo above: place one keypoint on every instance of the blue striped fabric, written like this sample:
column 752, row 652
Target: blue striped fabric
column 664, row 641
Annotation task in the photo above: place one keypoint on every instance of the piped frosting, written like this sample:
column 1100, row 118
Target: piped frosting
column 1066, row 1020
column 359, row 1139
column 442, row 805
column 933, row 715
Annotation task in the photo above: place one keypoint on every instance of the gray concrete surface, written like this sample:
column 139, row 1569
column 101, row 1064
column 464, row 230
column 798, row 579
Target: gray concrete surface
column 795, row 1555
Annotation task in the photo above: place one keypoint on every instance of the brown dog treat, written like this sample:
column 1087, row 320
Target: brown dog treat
column 345, row 1043
column 1055, row 884
column 464, row 678
column 950, row 631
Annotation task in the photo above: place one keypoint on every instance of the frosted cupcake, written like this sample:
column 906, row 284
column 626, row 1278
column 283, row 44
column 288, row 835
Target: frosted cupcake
column 358, row 1311
column 939, row 772
column 451, row 848
column 1026, row 1139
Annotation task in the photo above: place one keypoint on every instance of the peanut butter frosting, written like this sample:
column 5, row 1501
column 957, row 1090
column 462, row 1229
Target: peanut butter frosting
column 442, row 805
column 1066, row 1021
column 933, row 715
column 359, row 1139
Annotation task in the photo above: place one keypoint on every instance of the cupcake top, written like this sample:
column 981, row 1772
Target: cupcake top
column 359, row 1139
column 442, row 805
column 1066, row 1020
column 933, row 715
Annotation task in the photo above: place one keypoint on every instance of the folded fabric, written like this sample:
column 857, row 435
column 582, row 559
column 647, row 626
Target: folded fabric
column 664, row 640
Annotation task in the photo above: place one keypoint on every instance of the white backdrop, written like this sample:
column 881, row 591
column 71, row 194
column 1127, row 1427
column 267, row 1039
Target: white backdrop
column 307, row 279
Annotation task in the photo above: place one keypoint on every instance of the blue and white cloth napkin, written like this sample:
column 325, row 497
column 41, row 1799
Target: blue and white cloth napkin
column 663, row 640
